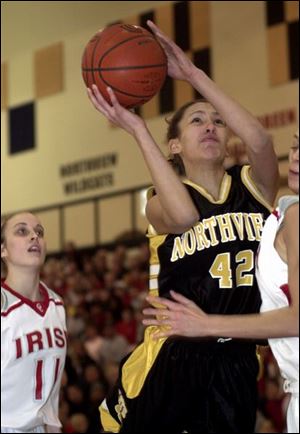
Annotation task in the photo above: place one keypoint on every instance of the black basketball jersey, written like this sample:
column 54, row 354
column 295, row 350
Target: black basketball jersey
column 213, row 263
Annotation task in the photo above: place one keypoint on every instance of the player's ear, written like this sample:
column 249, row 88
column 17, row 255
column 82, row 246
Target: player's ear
column 228, row 152
column 3, row 249
column 175, row 146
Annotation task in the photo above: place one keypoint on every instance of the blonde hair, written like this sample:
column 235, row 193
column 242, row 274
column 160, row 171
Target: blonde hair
column 3, row 228
column 4, row 222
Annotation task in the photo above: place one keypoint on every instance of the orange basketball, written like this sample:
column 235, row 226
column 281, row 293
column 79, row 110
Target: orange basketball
column 128, row 59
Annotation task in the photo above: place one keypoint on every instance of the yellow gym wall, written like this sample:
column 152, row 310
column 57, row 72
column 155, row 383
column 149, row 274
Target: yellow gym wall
column 70, row 130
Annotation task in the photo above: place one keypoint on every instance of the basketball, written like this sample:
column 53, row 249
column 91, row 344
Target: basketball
column 128, row 59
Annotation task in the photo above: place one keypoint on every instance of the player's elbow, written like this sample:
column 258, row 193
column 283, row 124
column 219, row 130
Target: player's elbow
column 186, row 220
column 180, row 222
column 261, row 141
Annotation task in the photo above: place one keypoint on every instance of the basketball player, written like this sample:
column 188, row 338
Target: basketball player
column 33, row 332
column 277, row 272
column 204, row 232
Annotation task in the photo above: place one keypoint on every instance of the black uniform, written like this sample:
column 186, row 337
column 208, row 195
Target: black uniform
column 198, row 385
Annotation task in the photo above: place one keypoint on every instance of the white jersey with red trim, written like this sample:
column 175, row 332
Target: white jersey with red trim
column 33, row 351
column 272, row 277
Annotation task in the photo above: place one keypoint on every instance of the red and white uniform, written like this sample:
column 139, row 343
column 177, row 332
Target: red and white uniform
column 272, row 277
column 33, row 352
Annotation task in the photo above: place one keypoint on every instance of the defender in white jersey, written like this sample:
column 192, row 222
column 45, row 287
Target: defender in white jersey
column 272, row 277
column 33, row 332
column 277, row 272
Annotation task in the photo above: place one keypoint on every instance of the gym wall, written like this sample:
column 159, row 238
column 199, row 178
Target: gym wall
column 63, row 160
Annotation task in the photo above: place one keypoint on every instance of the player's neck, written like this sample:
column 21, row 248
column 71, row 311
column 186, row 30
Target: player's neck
column 25, row 283
column 209, row 178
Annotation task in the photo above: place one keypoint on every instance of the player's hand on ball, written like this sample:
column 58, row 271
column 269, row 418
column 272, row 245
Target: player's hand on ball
column 115, row 113
column 180, row 66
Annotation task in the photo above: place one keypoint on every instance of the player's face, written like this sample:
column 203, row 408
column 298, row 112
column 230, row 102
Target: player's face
column 293, row 177
column 203, row 134
column 24, row 244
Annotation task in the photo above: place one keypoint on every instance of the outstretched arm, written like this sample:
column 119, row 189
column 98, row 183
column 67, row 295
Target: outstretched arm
column 183, row 317
column 259, row 144
column 172, row 209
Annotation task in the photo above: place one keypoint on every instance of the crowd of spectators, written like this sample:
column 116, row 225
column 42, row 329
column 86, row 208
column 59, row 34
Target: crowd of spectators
column 104, row 292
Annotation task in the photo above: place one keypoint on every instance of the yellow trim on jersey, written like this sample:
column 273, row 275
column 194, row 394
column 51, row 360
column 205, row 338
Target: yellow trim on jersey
column 224, row 190
column 151, row 232
column 153, row 284
column 249, row 183
column 155, row 241
column 154, row 270
column 154, row 292
column 138, row 365
column 107, row 421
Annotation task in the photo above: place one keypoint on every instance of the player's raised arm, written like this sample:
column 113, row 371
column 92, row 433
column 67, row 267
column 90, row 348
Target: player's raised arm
column 172, row 210
column 259, row 144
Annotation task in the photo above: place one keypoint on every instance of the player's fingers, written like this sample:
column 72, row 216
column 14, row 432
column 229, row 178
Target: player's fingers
column 97, row 104
column 96, row 93
column 154, row 300
column 150, row 322
column 113, row 98
column 155, row 312
column 161, row 334
column 171, row 305
column 157, row 31
column 153, row 27
column 92, row 97
column 183, row 300
column 112, row 110
column 160, row 321
column 97, row 98
column 188, row 305
column 166, row 42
